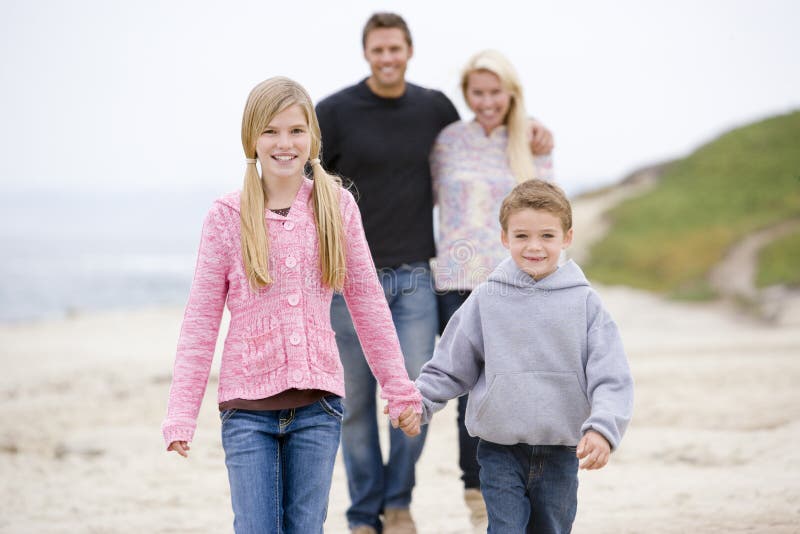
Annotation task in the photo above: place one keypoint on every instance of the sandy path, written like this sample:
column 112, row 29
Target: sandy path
column 734, row 278
column 711, row 448
column 736, row 273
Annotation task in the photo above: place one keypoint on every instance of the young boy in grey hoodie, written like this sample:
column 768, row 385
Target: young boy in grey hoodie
column 544, row 366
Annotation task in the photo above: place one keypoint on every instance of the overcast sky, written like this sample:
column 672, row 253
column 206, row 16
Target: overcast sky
column 149, row 94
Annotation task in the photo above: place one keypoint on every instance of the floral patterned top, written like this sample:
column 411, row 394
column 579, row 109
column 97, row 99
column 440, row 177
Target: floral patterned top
column 471, row 177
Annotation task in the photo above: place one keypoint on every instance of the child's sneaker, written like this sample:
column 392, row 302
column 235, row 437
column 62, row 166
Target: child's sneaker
column 477, row 509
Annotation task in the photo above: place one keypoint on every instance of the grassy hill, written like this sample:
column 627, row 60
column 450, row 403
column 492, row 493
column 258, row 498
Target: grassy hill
column 668, row 239
column 780, row 262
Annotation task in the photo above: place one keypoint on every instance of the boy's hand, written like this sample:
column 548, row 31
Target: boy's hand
column 594, row 450
column 408, row 422
column 181, row 447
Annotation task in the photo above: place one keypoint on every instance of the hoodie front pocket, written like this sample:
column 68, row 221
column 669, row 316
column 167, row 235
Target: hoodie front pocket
column 263, row 353
column 536, row 407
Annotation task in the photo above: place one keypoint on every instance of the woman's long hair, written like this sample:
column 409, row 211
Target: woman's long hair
column 266, row 100
column 516, row 121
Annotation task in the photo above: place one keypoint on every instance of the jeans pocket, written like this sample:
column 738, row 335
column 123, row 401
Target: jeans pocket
column 332, row 406
column 224, row 415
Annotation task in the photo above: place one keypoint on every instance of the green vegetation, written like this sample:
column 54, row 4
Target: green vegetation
column 668, row 239
column 779, row 262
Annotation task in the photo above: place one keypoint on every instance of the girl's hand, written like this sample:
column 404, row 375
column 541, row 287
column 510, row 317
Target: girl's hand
column 181, row 447
column 408, row 422
column 594, row 450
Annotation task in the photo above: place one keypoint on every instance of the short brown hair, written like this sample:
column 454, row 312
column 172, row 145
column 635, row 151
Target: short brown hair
column 385, row 20
column 537, row 195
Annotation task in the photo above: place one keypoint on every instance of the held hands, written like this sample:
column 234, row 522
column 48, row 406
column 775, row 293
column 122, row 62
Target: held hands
column 541, row 139
column 408, row 422
column 181, row 447
column 593, row 450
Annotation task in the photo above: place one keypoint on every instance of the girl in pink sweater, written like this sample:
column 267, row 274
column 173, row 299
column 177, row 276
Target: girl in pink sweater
column 275, row 253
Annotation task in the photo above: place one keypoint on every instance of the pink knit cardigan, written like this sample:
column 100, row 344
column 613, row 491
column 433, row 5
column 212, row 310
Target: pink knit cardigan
column 280, row 336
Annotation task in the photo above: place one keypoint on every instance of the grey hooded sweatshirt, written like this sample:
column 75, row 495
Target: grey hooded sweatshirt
column 542, row 361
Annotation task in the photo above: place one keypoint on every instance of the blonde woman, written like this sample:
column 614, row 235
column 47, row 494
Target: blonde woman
column 275, row 253
column 474, row 165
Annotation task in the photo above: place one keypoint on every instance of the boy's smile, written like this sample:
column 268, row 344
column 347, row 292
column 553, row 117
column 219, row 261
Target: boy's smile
column 535, row 239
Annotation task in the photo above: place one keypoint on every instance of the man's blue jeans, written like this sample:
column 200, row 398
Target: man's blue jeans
column 374, row 486
column 529, row 488
column 280, row 465
column 449, row 303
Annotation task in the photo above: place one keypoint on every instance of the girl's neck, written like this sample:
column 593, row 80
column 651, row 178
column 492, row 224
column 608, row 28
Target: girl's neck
column 281, row 191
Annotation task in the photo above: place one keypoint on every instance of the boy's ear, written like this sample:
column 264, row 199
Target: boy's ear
column 567, row 239
column 504, row 238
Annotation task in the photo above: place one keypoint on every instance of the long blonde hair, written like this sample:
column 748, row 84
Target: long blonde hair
column 266, row 100
column 516, row 121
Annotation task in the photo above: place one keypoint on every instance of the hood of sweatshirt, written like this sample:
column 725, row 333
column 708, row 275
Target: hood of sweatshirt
column 232, row 200
column 566, row 276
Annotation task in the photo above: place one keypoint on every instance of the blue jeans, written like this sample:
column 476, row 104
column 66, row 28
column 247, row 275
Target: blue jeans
column 374, row 486
column 280, row 465
column 449, row 302
column 529, row 488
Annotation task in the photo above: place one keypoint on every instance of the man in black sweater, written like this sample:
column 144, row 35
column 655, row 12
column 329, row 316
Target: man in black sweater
column 378, row 135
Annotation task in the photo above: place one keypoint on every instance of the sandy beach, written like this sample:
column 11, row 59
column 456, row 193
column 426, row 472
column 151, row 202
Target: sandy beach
column 710, row 449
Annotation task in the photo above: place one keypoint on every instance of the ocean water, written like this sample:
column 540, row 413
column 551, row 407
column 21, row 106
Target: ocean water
column 68, row 252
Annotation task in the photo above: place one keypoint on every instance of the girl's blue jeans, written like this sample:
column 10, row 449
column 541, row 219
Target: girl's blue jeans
column 529, row 488
column 280, row 465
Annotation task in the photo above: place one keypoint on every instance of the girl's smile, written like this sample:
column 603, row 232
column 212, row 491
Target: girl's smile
column 285, row 145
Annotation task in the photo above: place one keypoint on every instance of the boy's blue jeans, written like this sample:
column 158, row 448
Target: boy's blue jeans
column 374, row 486
column 529, row 488
column 280, row 465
